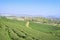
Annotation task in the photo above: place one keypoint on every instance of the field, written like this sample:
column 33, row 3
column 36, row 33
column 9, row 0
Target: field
column 16, row 30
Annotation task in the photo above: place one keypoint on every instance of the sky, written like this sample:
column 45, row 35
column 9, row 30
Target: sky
column 30, row 7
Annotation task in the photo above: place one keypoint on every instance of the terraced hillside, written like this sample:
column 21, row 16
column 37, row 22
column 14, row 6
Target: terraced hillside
column 16, row 30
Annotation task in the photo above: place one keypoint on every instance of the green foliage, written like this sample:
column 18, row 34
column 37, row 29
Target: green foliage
column 16, row 30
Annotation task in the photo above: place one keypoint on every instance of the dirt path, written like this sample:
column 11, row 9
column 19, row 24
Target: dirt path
column 27, row 24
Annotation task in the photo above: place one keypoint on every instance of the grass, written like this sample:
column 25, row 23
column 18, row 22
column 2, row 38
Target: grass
column 44, row 27
column 16, row 30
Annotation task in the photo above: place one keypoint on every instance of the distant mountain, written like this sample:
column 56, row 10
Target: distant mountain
column 53, row 17
column 27, row 15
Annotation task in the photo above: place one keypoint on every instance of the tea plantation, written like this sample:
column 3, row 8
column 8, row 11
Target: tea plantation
column 16, row 30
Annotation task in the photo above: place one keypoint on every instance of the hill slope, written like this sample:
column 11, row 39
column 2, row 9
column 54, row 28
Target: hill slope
column 16, row 30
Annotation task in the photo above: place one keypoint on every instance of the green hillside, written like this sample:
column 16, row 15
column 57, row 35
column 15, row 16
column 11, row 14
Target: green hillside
column 16, row 30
